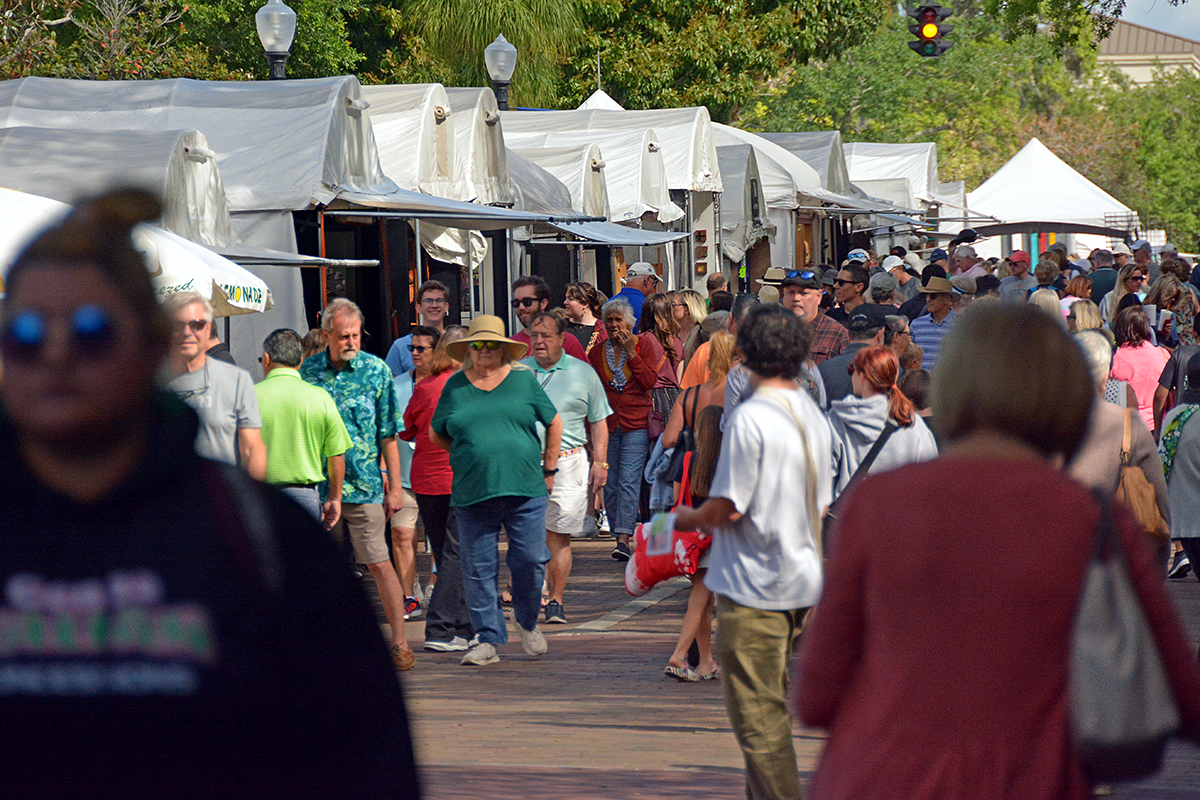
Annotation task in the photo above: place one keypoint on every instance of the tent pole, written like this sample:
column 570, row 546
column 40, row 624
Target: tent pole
column 321, row 249
column 417, row 234
column 470, row 276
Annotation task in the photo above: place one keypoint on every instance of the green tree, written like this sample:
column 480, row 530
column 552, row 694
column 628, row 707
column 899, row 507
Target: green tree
column 716, row 53
column 27, row 40
column 444, row 40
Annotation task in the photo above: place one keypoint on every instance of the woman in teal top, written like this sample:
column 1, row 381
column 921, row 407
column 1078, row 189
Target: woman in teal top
column 487, row 419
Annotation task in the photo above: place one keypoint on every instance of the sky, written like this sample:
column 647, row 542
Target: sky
column 1181, row 20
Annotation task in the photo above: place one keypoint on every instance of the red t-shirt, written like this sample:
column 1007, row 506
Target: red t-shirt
column 430, row 472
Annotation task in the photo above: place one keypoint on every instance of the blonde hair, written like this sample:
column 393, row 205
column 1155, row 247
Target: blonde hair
column 1047, row 300
column 720, row 356
column 1087, row 315
column 695, row 304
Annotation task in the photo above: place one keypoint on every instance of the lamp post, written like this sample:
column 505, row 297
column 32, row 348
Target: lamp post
column 276, row 28
column 500, row 58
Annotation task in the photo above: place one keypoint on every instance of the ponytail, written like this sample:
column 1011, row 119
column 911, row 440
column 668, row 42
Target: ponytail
column 879, row 368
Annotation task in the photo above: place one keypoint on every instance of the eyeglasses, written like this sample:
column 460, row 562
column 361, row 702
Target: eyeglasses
column 490, row 345
column 24, row 337
column 196, row 325
column 525, row 302
column 434, row 301
column 418, row 348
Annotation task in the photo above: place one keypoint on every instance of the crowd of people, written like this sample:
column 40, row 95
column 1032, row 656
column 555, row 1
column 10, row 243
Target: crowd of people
column 831, row 433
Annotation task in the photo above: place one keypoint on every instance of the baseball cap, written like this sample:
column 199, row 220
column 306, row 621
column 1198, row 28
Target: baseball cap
column 1019, row 257
column 1140, row 244
column 1168, row 249
column 938, row 255
column 829, row 277
column 640, row 269
column 804, row 278
column 865, row 318
column 913, row 260
column 891, row 262
column 1121, row 249
column 858, row 254
column 885, row 281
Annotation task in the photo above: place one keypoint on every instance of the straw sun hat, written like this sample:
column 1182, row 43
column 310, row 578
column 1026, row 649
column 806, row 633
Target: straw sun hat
column 486, row 328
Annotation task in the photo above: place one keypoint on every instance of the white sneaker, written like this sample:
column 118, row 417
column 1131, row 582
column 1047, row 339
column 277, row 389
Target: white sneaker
column 481, row 656
column 533, row 641
column 602, row 521
column 457, row 644
column 474, row 641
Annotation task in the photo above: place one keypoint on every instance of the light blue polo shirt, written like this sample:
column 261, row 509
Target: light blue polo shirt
column 575, row 389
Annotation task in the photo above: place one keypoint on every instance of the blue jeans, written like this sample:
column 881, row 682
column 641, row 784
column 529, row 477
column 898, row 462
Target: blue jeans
column 308, row 499
column 524, row 520
column 627, row 451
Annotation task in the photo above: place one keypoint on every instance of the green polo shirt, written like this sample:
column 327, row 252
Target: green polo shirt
column 576, row 391
column 301, row 427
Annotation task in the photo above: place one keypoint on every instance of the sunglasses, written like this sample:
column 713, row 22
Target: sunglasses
column 525, row 302
column 490, row 345
column 1138, row 278
column 24, row 337
column 840, row 282
column 804, row 275
column 196, row 325
column 418, row 348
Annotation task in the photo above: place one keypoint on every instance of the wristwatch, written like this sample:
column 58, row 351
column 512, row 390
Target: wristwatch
column 601, row 464
column 549, row 472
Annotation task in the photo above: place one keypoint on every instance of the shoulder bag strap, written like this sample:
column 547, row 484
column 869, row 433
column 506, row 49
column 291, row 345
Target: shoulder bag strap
column 695, row 402
column 1126, row 438
column 864, row 466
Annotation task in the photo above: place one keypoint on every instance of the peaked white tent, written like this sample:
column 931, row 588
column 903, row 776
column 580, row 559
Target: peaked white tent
column 786, row 178
column 178, row 166
column 821, row 150
column 480, row 145
column 1038, row 186
column 175, row 264
column 636, row 176
column 685, row 135
column 414, row 134
column 581, row 169
column 600, row 101
column 916, row 162
column 741, row 226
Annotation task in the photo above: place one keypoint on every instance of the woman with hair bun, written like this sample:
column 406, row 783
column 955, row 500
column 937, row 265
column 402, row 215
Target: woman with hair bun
column 858, row 420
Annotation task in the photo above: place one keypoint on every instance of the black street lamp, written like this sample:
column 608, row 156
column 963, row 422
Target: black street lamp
column 500, row 58
column 276, row 28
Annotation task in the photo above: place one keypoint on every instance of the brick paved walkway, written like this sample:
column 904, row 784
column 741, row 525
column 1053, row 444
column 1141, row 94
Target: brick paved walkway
column 595, row 717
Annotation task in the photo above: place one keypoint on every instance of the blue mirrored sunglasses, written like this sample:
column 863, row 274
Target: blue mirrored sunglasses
column 24, row 336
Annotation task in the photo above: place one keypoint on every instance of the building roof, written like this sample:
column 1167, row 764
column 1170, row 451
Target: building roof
column 1128, row 38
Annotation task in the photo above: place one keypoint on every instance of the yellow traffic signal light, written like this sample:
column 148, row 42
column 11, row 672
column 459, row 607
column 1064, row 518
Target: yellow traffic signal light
column 930, row 29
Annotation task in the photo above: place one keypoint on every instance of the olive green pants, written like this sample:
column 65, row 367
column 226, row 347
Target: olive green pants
column 754, row 650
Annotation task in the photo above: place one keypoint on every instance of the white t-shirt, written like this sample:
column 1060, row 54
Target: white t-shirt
column 768, row 559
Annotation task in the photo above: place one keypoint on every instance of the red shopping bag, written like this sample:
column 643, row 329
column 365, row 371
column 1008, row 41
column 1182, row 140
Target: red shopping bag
column 661, row 552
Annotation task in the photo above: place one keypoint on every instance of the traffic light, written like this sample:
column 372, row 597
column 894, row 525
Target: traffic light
column 929, row 28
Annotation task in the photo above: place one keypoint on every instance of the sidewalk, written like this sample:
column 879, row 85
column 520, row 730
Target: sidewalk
column 595, row 717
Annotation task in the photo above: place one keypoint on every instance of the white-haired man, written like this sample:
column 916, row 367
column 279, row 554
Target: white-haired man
column 221, row 394
column 365, row 395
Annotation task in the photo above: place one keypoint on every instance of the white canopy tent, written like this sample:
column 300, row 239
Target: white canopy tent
column 1038, row 186
column 636, row 177
column 414, row 134
column 480, row 145
column 581, row 169
column 868, row 162
column 685, row 135
column 175, row 264
column 741, row 227
column 821, row 150
column 178, row 166
column 599, row 100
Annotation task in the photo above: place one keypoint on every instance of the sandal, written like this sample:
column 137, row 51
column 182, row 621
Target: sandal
column 710, row 676
column 684, row 674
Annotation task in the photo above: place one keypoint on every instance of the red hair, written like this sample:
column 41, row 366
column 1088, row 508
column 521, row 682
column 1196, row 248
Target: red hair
column 879, row 368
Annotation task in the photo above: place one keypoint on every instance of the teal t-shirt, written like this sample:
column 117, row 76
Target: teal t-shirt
column 494, row 447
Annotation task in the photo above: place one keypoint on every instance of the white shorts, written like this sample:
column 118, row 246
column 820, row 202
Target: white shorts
column 567, row 504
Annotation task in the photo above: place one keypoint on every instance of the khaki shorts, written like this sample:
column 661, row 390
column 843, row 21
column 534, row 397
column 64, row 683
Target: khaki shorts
column 567, row 505
column 366, row 524
column 407, row 516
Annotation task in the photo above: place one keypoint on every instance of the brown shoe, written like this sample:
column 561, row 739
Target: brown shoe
column 403, row 658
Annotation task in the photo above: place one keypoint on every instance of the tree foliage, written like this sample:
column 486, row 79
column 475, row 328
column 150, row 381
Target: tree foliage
column 27, row 40
column 716, row 53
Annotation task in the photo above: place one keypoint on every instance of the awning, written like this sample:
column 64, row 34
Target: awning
column 251, row 256
column 1009, row 228
column 445, row 212
column 613, row 234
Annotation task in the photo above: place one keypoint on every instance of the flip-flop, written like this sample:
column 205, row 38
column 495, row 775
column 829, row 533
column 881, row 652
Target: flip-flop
column 710, row 676
column 685, row 674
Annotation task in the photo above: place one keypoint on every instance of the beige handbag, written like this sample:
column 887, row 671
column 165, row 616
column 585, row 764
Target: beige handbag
column 1135, row 491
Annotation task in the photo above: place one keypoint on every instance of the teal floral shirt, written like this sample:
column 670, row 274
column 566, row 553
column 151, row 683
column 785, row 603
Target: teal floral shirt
column 365, row 395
